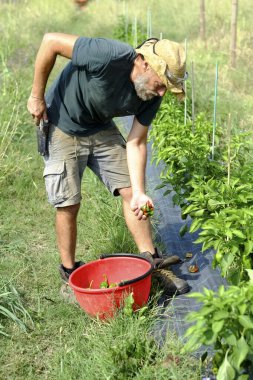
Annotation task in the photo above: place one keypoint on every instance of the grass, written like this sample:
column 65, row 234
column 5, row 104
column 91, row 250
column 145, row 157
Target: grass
column 11, row 307
column 63, row 343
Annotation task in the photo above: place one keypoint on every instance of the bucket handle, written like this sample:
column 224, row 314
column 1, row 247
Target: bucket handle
column 129, row 282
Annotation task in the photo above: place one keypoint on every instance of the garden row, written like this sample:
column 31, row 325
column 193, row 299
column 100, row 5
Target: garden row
column 211, row 180
column 209, row 173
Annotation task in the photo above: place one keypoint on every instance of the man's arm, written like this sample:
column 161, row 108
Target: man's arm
column 53, row 44
column 137, row 158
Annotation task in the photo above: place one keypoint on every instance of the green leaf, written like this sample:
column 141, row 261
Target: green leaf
column 217, row 326
column 250, row 274
column 239, row 353
column 243, row 377
column 183, row 230
column 167, row 192
column 199, row 212
column 246, row 321
column 160, row 186
column 226, row 262
column 192, row 344
column 230, row 339
column 128, row 305
column 248, row 212
column 226, row 371
column 221, row 314
column 190, row 208
column 196, row 224
column 242, row 308
column 248, row 247
column 239, row 234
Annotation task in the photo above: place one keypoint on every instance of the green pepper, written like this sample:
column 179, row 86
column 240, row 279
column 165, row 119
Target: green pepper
column 104, row 284
column 147, row 209
column 113, row 285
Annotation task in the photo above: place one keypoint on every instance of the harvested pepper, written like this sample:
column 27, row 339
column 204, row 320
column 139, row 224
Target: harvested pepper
column 113, row 285
column 147, row 209
column 104, row 284
column 193, row 268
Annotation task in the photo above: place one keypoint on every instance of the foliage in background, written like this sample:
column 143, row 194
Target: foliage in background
column 124, row 31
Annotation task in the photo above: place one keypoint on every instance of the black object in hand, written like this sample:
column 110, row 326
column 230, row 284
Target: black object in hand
column 42, row 137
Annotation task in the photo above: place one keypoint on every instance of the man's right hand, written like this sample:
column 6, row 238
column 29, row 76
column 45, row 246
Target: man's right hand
column 53, row 44
column 37, row 108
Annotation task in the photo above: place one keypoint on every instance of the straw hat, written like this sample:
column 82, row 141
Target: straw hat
column 167, row 59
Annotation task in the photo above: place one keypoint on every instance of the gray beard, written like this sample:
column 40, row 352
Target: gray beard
column 140, row 87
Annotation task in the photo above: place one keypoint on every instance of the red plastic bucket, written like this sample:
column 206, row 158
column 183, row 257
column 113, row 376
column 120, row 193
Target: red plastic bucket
column 132, row 273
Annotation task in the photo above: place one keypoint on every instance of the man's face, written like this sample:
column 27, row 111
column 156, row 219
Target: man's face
column 148, row 85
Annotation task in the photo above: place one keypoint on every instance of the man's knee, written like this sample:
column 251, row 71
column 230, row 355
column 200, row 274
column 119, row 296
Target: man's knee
column 126, row 193
column 69, row 210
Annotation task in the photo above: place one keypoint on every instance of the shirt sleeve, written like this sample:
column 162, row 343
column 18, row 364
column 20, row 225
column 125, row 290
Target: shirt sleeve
column 148, row 111
column 94, row 54
column 91, row 53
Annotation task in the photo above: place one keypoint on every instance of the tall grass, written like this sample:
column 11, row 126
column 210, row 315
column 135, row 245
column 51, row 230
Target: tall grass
column 12, row 307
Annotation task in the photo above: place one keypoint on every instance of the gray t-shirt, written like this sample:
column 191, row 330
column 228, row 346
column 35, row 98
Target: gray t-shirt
column 95, row 86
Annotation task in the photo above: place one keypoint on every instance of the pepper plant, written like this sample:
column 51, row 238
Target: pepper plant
column 184, row 151
column 225, row 321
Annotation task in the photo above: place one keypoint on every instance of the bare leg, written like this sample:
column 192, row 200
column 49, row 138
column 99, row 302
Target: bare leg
column 66, row 232
column 140, row 229
column 141, row 232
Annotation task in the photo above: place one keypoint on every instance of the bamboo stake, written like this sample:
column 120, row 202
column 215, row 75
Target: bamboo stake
column 185, row 86
column 229, row 148
column 193, row 98
column 135, row 32
column 161, row 35
column 215, row 107
column 126, row 22
column 149, row 24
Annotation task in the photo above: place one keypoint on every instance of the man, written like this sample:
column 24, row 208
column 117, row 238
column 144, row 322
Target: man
column 103, row 79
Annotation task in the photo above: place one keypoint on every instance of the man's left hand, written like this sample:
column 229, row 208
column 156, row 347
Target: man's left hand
column 137, row 202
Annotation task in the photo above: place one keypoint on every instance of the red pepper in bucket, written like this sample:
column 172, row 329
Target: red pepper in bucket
column 147, row 209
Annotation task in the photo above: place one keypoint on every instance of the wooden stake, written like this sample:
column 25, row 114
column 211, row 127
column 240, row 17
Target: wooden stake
column 193, row 97
column 135, row 32
column 149, row 24
column 126, row 22
column 215, row 108
column 229, row 147
column 185, row 86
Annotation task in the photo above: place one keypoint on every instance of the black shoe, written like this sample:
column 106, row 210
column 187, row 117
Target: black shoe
column 169, row 283
column 159, row 262
column 65, row 273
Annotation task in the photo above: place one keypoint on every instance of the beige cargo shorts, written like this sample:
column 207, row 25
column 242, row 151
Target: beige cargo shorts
column 103, row 152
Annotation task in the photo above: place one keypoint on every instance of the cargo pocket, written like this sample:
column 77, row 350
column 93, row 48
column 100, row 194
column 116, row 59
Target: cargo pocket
column 56, row 182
